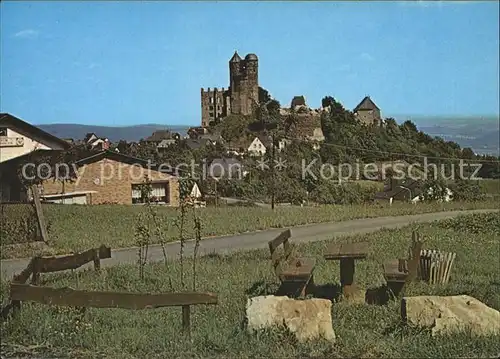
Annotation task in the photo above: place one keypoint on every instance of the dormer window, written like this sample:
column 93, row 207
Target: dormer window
column 3, row 132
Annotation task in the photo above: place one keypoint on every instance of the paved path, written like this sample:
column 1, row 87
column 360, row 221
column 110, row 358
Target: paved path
column 259, row 239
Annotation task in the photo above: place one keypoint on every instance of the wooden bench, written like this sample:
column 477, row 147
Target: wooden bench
column 399, row 272
column 295, row 274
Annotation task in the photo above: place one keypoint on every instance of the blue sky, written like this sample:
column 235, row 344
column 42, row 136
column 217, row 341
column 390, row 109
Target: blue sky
column 110, row 63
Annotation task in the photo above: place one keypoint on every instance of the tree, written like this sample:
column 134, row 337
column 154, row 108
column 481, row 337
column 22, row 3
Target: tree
column 327, row 101
column 264, row 96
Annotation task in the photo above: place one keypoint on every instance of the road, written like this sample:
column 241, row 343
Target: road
column 257, row 240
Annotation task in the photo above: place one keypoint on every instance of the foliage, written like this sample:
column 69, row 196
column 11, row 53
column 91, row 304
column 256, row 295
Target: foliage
column 332, row 192
column 433, row 191
column 481, row 223
column 464, row 190
column 19, row 224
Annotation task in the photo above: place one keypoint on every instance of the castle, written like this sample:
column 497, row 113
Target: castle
column 241, row 96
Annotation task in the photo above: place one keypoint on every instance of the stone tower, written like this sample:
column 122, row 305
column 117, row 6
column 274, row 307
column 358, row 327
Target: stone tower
column 240, row 98
column 243, row 83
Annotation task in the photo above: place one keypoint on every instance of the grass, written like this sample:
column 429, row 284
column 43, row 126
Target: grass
column 363, row 330
column 490, row 186
column 77, row 228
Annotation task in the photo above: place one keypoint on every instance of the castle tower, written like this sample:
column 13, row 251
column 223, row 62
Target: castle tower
column 235, row 74
column 244, row 84
column 252, row 83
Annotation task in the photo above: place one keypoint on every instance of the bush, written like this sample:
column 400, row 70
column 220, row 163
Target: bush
column 464, row 190
column 475, row 223
column 350, row 193
column 18, row 224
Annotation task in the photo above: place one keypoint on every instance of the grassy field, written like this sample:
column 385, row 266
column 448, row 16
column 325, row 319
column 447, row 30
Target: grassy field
column 490, row 186
column 77, row 228
column 363, row 330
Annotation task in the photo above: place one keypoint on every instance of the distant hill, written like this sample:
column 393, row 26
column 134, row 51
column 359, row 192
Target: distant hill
column 114, row 134
column 481, row 133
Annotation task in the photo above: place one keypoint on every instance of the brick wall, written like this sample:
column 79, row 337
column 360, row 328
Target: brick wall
column 112, row 181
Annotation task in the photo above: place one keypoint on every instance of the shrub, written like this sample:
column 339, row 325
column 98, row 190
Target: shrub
column 350, row 193
column 476, row 223
column 19, row 224
column 464, row 190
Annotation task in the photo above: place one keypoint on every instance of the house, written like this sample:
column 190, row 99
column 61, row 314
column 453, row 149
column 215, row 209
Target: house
column 111, row 177
column 215, row 138
column 90, row 137
column 367, row 112
column 18, row 138
column 226, row 168
column 164, row 144
column 195, row 192
column 315, row 136
column 96, row 143
column 22, row 143
column 194, row 144
column 195, row 132
column 160, row 135
column 100, row 144
column 298, row 101
column 406, row 190
column 259, row 146
column 283, row 143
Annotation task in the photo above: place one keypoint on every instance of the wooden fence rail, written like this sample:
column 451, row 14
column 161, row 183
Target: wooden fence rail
column 94, row 299
column 55, row 264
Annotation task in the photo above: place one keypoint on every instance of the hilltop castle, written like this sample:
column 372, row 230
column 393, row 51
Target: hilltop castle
column 241, row 96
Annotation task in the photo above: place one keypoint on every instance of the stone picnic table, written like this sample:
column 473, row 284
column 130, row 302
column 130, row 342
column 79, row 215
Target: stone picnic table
column 347, row 253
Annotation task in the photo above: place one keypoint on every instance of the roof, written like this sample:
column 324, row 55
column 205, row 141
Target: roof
column 235, row 58
column 160, row 135
column 38, row 133
column 166, row 143
column 298, row 101
column 220, row 167
column 197, row 143
column 401, row 191
column 119, row 157
column 266, row 140
column 29, row 155
column 366, row 104
column 211, row 136
column 251, row 57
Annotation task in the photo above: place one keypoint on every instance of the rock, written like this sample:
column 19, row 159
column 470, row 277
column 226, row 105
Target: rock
column 308, row 319
column 448, row 315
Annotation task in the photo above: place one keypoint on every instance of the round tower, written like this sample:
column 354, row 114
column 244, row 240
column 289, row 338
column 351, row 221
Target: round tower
column 252, row 75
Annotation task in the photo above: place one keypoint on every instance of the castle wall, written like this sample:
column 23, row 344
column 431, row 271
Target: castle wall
column 213, row 105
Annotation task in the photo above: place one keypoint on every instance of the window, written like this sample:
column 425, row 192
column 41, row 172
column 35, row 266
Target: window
column 211, row 100
column 159, row 193
column 211, row 114
column 218, row 99
column 211, row 108
column 3, row 131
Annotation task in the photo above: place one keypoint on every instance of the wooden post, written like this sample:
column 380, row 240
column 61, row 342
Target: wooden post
column 347, row 275
column 35, row 277
column 97, row 261
column 186, row 320
column 39, row 214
